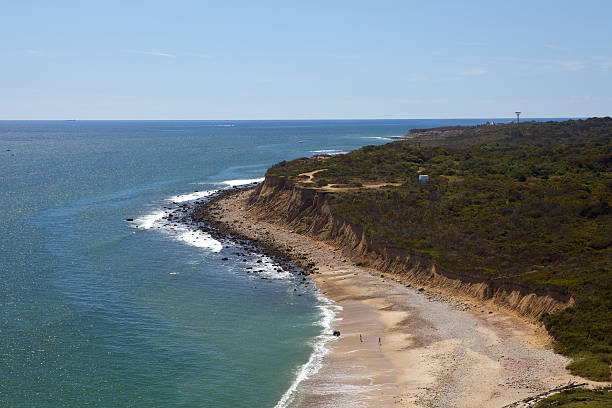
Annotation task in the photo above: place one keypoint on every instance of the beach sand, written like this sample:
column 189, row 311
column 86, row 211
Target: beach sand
column 435, row 351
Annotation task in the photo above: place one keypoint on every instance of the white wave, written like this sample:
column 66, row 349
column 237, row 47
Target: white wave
column 150, row 220
column 191, row 196
column 200, row 239
column 379, row 137
column 181, row 232
column 234, row 183
column 269, row 269
column 328, row 315
column 329, row 151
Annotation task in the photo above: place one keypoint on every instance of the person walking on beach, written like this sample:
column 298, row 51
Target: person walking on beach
column 379, row 342
column 360, row 338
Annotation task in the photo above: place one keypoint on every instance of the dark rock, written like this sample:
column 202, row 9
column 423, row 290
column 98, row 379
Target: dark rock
column 336, row 333
column 224, row 259
column 129, row 219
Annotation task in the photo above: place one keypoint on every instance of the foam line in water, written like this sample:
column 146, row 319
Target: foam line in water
column 235, row 183
column 328, row 315
column 269, row 269
column 150, row 220
column 191, row 196
column 379, row 137
column 184, row 232
column 330, row 152
column 200, row 239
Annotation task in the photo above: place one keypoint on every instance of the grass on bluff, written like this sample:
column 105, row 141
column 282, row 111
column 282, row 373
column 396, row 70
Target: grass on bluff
column 533, row 207
column 579, row 398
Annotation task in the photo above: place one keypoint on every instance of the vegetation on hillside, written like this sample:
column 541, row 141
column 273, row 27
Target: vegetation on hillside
column 579, row 398
column 533, row 207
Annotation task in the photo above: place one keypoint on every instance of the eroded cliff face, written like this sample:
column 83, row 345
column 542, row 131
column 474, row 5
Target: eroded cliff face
column 308, row 211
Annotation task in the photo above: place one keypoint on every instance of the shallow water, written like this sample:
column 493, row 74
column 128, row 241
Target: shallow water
column 96, row 310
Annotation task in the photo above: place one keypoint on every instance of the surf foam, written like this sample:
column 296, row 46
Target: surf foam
column 150, row 220
column 200, row 239
column 268, row 268
column 242, row 182
column 380, row 137
column 191, row 196
column 180, row 230
column 329, row 311
column 331, row 152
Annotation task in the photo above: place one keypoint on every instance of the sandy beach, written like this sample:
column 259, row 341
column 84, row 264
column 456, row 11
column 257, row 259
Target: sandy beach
column 434, row 351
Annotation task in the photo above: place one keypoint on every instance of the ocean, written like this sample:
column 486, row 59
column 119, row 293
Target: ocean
column 99, row 311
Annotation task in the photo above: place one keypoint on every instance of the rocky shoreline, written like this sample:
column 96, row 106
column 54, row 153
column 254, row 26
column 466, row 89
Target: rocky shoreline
column 206, row 215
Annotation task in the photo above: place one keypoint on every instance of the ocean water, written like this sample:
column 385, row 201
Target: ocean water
column 99, row 311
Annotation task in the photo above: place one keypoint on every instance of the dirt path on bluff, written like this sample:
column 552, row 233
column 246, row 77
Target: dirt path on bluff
column 434, row 351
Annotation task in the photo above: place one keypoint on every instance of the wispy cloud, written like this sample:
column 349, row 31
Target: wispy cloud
column 155, row 53
column 555, row 47
column 572, row 65
column 472, row 71
column 463, row 74
column 170, row 55
column 408, row 100
column 545, row 65
column 33, row 52
column 604, row 62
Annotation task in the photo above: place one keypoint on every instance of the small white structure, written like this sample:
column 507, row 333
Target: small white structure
column 423, row 178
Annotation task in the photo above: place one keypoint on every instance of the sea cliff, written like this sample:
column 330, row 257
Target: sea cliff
column 309, row 212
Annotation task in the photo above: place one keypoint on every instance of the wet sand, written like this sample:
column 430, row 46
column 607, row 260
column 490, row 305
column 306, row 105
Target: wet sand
column 435, row 351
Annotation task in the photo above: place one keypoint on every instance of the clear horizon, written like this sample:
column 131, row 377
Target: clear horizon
column 288, row 119
column 270, row 61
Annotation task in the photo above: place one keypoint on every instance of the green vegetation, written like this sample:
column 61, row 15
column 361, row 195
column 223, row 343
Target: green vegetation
column 579, row 398
column 532, row 207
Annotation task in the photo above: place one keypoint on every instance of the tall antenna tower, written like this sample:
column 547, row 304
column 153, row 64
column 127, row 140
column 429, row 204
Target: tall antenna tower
column 518, row 132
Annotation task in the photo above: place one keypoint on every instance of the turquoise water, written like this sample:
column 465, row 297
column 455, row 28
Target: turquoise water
column 97, row 312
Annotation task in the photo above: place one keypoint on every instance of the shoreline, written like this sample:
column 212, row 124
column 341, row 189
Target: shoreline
column 435, row 350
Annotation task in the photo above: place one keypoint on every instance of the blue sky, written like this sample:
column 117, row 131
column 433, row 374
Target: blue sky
column 304, row 60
